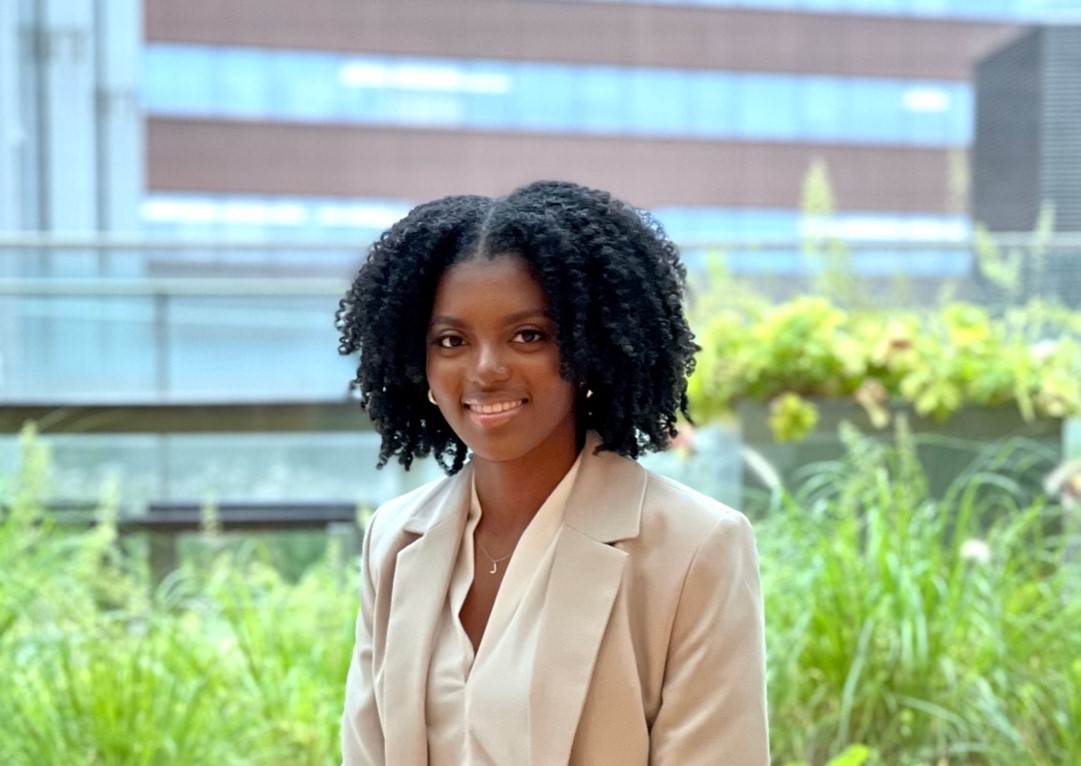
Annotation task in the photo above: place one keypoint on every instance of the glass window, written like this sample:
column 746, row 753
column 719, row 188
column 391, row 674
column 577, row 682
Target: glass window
column 358, row 221
column 242, row 79
column 822, row 108
column 306, row 87
column 488, row 93
column 361, row 85
column 604, row 101
column 658, row 102
column 768, row 106
column 396, row 90
column 712, row 104
column 875, row 111
column 545, row 100
column 1030, row 10
column 178, row 80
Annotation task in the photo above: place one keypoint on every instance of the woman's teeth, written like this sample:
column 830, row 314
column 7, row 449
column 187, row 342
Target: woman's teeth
column 494, row 409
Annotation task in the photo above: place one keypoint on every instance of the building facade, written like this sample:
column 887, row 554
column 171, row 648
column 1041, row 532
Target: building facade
column 335, row 117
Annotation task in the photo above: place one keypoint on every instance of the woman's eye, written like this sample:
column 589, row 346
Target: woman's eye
column 529, row 336
column 448, row 341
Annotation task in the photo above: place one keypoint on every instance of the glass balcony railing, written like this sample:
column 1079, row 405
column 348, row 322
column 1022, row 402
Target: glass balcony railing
column 100, row 321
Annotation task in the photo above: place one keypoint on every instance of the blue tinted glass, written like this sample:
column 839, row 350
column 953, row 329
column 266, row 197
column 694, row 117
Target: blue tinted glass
column 767, row 106
column 489, row 99
column 361, row 83
column 242, row 82
column 545, row 100
column 927, row 108
column 179, row 80
column 306, row 87
column 712, row 104
column 1032, row 10
column 421, row 92
column 658, row 102
column 962, row 115
column 823, row 110
column 769, row 224
column 875, row 110
column 820, row 6
column 698, row 230
column 603, row 100
column 929, row 7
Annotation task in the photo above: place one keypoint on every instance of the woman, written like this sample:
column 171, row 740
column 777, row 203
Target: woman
column 550, row 601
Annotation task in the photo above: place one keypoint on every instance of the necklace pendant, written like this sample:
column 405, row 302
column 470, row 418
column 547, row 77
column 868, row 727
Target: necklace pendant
column 494, row 568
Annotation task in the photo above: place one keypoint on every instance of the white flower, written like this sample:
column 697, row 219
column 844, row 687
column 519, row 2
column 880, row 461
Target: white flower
column 976, row 551
column 1065, row 483
column 1043, row 350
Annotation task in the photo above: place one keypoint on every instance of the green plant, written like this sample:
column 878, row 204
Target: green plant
column 901, row 630
column 226, row 662
column 856, row 755
column 940, row 632
column 933, row 361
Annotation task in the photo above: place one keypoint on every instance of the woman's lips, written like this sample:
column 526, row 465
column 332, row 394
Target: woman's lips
column 495, row 414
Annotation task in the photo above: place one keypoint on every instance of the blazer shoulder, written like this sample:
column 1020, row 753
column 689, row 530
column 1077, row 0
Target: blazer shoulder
column 391, row 519
column 687, row 508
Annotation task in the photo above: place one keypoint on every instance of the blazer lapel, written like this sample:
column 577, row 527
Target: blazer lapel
column 422, row 575
column 604, row 507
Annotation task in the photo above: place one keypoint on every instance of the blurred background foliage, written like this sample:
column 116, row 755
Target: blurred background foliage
column 879, row 203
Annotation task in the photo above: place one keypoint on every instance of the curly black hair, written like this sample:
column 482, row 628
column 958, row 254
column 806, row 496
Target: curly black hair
column 615, row 289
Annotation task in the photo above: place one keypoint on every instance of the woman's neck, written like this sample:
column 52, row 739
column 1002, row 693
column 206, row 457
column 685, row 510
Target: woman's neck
column 512, row 492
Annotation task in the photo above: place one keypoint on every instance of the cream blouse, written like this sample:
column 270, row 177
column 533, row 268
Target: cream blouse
column 467, row 693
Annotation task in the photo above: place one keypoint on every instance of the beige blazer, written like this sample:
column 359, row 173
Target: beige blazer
column 651, row 648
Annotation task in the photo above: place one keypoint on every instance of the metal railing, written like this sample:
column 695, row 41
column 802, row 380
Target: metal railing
column 87, row 319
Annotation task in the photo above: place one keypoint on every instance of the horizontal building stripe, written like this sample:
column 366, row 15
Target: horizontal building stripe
column 599, row 33
column 1024, row 11
column 285, row 218
column 312, row 86
column 410, row 164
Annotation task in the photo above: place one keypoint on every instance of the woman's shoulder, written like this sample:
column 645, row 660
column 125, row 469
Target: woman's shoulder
column 415, row 511
column 692, row 509
column 682, row 523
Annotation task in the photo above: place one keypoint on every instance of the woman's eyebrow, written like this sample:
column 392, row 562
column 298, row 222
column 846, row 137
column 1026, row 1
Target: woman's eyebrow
column 448, row 320
column 517, row 316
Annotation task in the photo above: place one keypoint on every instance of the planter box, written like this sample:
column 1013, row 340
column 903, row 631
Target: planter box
column 946, row 448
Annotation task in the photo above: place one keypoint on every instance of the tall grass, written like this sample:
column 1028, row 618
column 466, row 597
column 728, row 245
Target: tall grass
column 938, row 631
column 226, row 662
column 888, row 626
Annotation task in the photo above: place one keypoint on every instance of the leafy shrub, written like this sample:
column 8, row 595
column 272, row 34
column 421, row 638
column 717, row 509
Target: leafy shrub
column 935, row 361
column 933, row 632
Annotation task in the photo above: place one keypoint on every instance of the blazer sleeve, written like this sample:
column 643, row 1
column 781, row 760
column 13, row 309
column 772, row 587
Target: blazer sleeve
column 362, row 731
column 713, row 698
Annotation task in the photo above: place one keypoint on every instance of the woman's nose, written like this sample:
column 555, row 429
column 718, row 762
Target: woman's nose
column 490, row 364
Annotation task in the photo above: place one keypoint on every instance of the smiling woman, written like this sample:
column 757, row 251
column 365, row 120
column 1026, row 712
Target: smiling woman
column 550, row 601
column 493, row 365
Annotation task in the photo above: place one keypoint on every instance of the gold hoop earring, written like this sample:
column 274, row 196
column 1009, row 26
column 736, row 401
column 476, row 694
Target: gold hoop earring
column 431, row 397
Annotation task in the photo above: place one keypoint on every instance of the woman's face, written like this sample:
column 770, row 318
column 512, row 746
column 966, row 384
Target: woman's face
column 493, row 363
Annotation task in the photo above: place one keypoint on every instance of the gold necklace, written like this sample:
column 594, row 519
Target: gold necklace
column 495, row 561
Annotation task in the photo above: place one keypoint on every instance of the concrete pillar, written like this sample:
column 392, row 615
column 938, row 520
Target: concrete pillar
column 121, row 175
column 12, row 134
column 64, row 47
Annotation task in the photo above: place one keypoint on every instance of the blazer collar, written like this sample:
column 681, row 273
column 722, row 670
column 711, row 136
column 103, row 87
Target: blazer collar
column 605, row 502
column 423, row 569
column 447, row 499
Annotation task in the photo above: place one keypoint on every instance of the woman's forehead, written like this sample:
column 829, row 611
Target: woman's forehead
column 504, row 283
